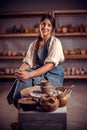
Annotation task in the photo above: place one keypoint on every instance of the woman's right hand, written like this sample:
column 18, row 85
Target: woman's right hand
column 22, row 74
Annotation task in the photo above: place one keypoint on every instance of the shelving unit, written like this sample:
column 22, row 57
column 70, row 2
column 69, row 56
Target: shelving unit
column 62, row 16
column 55, row 13
column 17, row 15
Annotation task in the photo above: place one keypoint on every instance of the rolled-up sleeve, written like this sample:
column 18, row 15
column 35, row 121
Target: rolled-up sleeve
column 30, row 55
column 55, row 52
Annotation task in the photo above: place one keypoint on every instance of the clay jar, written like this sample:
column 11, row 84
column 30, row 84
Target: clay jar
column 83, row 51
column 86, row 28
column 58, row 29
column 64, row 29
column 45, row 86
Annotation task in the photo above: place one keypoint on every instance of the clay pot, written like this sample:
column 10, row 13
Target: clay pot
column 83, row 51
column 70, row 28
column 62, row 101
column 77, row 51
column 64, row 29
column 66, row 52
column 45, row 86
column 14, row 53
column 73, row 71
column 14, row 29
column 76, row 29
column 82, row 72
column 58, row 29
column 68, row 71
column 7, row 71
column 82, row 28
column 26, row 30
column 9, row 53
column 36, row 30
column 86, row 28
column 77, row 71
column 49, row 103
column 21, row 29
column 72, row 52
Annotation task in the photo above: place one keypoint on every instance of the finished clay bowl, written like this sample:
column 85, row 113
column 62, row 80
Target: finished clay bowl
column 28, row 104
column 64, row 91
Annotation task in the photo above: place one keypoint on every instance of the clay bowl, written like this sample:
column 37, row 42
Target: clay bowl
column 64, row 91
column 28, row 104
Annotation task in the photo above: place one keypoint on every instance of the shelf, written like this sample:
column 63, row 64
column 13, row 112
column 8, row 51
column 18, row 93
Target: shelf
column 75, row 77
column 11, row 57
column 7, row 76
column 65, row 77
column 38, row 13
column 22, row 14
column 36, row 34
column 20, row 35
column 66, row 57
column 55, row 13
column 70, row 11
column 76, row 57
column 71, row 34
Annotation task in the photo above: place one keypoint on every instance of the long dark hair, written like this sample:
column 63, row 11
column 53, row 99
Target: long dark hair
column 52, row 20
column 50, row 17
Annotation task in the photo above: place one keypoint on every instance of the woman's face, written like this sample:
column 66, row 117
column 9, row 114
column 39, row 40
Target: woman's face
column 46, row 27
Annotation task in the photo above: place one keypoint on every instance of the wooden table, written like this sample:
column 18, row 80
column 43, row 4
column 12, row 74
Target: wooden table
column 35, row 120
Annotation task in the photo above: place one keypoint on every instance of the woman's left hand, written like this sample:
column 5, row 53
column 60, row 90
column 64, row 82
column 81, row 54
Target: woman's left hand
column 22, row 74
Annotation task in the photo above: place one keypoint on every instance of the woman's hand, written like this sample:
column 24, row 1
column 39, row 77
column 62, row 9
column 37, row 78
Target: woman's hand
column 21, row 74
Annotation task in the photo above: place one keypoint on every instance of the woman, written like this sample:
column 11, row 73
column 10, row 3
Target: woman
column 43, row 61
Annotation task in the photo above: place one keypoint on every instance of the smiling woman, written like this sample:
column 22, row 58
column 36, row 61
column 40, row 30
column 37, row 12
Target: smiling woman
column 43, row 61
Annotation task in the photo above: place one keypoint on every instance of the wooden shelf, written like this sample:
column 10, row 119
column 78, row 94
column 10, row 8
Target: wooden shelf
column 55, row 13
column 19, row 35
column 65, row 77
column 70, row 11
column 22, row 14
column 7, row 76
column 71, row 34
column 76, row 56
column 38, row 13
column 75, row 77
column 36, row 34
column 66, row 57
column 11, row 57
